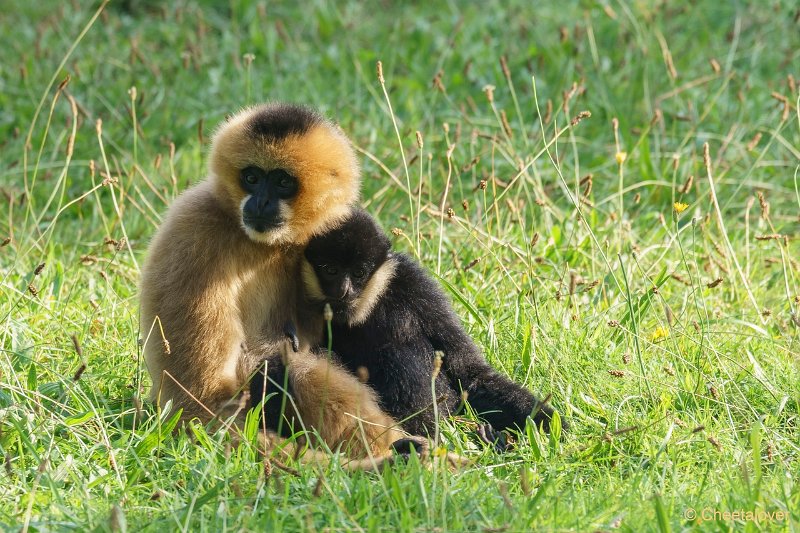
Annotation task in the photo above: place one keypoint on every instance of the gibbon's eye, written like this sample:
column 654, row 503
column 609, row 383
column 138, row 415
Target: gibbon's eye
column 359, row 272
column 284, row 179
column 330, row 270
column 249, row 176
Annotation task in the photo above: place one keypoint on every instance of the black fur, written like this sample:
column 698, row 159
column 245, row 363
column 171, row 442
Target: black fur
column 412, row 319
column 275, row 402
column 277, row 121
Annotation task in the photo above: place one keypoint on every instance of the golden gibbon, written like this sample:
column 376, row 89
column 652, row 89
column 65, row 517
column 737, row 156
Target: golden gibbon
column 221, row 278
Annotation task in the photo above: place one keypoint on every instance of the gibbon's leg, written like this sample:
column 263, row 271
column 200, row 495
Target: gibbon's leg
column 277, row 449
column 401, row 377
column 504, row 403
column 327, row 399
column 496, row 398
column 215, row 408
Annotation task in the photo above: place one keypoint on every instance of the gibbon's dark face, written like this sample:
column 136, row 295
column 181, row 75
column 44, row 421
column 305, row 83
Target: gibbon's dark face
column 351, row 264
column 266, row 205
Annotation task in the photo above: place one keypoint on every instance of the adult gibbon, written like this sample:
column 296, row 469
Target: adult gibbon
column 220, row 279
column 390, row 318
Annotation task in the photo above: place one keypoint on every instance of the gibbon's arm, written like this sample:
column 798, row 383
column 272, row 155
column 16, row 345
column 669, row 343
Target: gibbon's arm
column 187, row 292
column 501, row 401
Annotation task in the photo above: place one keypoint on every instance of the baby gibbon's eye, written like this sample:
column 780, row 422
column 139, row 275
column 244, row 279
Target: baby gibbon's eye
column 330, row 270
column 359, row 273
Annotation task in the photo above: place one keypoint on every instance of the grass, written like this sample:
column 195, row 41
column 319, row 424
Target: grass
column 652, row 288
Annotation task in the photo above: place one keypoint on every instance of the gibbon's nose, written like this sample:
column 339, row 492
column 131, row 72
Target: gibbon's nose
column 345, row 289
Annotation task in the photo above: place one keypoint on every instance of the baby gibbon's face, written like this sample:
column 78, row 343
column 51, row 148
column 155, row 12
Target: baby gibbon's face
column 343, row 262
column 342, row 283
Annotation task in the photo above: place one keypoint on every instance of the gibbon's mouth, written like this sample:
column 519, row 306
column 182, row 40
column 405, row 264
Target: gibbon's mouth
column 262, row 225
column 341, row 309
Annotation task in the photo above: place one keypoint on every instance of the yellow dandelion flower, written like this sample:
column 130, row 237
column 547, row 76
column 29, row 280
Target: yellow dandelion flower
column 660, row 333
column 680, row 207
column 621, row 157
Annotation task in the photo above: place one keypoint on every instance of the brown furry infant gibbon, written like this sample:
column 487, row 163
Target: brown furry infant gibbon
column 389, row 318
column 221, row 278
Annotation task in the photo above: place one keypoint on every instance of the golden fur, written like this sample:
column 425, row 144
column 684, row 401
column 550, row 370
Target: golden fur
column 344, row 411
column 313, row 291
column 373, row 292
column 321, row 157
column 221, row 298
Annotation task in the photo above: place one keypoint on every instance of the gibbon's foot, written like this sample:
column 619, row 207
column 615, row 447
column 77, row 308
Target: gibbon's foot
column 405, row 447
column 411, row 445
column 497, row 439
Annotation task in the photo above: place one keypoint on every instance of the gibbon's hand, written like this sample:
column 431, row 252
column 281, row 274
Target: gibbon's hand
column 495, row 438
column 290, row 330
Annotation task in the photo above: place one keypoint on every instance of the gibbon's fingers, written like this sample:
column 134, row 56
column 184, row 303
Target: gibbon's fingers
column 452, row 460
column 456, row 461
column 290, row 330
column 273, row 449
column 494, row 438
column 420, row 446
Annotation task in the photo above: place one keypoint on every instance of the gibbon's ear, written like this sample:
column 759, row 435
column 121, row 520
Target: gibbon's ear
column 301, row 142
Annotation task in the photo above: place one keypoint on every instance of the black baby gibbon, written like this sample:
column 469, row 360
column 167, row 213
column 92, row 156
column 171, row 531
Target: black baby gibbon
column 390, row 317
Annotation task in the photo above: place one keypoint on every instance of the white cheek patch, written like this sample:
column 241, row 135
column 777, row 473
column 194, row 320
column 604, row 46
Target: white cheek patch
column 286, row 216
column 310, row 281
column 241, row 206
column 372, row 293
column 277, row 235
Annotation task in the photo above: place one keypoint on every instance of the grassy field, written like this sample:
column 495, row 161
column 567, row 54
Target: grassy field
column 642, row 264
